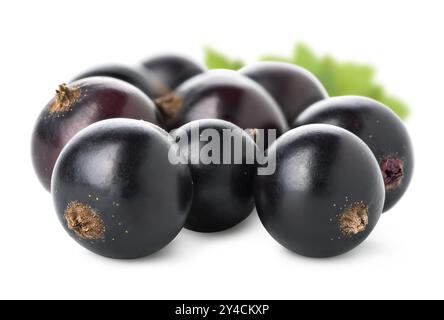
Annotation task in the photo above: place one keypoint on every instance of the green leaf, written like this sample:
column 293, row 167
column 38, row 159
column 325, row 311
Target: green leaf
column 376, row 92
column 339, row 78
column 398, row 106
column 327, row 75
column 354, row 79
column 343, row 78
column 216, row 60
column 271, row 57
column 303, row 56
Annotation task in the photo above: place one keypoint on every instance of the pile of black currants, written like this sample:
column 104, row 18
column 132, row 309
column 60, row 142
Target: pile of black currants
column 109, row 147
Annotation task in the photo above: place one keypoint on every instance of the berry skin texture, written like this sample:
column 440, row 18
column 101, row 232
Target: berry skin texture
column 116, row 193
column 145, row 81
column 78, row 105
column 224, row 95
column 223, row 192
column 326, row 195
column 380, row 128
column 172, row 70
column 293, row 87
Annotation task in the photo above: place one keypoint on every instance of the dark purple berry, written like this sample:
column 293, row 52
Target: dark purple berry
column 76, row 106
column 326, row 195
column 172, row 70
column 145, row 81
column 380, row 128
column 293, row 87
column 224, row 95
column 116, row 192
column 223, row 188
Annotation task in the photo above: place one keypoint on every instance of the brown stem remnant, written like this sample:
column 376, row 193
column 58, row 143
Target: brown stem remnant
column 354, row 219
column 64, row 99
column 169, row 104
column 392, row 169
column 84, row 221
column 253, row 133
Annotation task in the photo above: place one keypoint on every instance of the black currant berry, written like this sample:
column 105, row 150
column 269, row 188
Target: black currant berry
column 145, row 81
column 224, row 95
column 78, row 105
column 380, row 128
column 326, row 195
column 172, row 70
column 223, row 186
column 293, row 87
column 116, row 192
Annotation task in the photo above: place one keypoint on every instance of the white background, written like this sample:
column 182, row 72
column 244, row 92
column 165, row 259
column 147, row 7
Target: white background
column 44, row 43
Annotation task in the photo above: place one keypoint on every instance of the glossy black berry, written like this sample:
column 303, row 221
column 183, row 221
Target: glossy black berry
column 380, row 128
column 223, row 186
column 77, row 105
column 224, row 95
column 115, row 191
column 145, row 81
column 326, row 195
column 172, row 70
column 294, row 88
